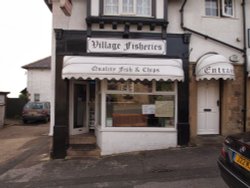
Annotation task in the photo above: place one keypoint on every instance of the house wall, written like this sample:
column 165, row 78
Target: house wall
column 231, row 32
column 227, row 30
column 39, row 81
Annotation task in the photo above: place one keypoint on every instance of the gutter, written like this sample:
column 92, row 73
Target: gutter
column 204, row 35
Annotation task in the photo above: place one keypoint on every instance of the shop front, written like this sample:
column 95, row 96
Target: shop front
column 132, row 100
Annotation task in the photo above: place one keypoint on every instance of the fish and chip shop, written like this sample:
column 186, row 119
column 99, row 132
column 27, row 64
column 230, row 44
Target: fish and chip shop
column 132, row 93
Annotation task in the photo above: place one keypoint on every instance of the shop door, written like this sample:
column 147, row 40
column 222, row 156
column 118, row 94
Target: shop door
column 79, row 99
column 208, row 107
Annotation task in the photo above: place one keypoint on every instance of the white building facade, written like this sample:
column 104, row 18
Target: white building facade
column 147, row 74
column 39, row 80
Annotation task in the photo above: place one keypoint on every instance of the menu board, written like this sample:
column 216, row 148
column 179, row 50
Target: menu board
column 164, row 108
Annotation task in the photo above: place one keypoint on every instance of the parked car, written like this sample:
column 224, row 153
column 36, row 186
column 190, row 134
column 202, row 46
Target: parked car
column 36, row 111
column 234, row 160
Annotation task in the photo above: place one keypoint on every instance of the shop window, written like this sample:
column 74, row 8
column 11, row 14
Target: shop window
column 128, row 7
column 140, row 104
column 164, row 86
column 223, row 7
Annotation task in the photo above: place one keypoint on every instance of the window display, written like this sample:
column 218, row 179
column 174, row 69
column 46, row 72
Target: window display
column 139, row 104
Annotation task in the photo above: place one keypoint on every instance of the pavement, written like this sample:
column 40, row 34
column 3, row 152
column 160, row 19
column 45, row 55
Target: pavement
column 25, row 162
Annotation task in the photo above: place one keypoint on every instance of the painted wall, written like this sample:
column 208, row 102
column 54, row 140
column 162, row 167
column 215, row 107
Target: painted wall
column 39, row 81
column 230, row 31
column 129, row 141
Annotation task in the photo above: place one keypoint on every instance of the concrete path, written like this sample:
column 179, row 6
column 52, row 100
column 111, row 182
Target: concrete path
column 25, row 163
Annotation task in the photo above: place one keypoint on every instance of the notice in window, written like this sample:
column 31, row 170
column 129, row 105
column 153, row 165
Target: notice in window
column 148, row 109
column 164, row 108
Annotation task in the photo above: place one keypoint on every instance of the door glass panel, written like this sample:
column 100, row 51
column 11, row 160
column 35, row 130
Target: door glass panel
column 79, row 105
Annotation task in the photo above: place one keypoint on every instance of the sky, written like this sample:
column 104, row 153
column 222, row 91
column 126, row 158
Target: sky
column 25, row 37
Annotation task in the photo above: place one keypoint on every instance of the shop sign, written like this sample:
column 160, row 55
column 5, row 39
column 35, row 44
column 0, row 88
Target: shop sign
column 218, row 70
column 126, row 69
column 126, row 46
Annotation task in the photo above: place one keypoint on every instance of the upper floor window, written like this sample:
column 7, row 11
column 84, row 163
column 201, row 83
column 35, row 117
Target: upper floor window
column 212, row 7
column 128, row 7
column 219, row 7
column 227, row 8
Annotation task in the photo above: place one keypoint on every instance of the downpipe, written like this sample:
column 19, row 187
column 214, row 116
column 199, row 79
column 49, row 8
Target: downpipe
column 245, row 108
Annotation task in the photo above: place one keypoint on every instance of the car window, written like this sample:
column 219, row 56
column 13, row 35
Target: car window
column 34, row 106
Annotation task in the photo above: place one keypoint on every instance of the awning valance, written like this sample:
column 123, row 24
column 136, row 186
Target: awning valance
column 214, row 66
column 86, row 67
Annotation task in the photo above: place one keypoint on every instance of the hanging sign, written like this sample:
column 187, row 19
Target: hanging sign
column 126, row 46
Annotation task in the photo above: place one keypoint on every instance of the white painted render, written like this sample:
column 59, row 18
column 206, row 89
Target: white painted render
column 39, row 82
column 230, row 29
column 159, row 8
column 74, row 22
column 94, row 8
column 129, row 140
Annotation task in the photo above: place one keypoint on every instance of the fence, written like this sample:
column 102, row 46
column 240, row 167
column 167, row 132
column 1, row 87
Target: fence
column 14, row 107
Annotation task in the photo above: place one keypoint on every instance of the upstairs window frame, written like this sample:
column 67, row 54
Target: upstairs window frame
column 134, row 8
column 228, row 8
column 220, row 8
column 212, row 8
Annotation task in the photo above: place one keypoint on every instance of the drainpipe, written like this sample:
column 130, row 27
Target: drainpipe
column 201, row 34
column 244, row 110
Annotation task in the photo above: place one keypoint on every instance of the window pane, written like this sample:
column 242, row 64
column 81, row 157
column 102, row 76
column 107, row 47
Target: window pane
column 211, row 7
column 143, row 7
column 228, row 7
column 130, row 86
column 36, row 97
column 164, row 86
column 127, row 6
column 110, row 7
column 142, row 86
column 140, row 110
column 114, row 85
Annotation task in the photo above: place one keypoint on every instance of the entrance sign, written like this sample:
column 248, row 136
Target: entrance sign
column 126, row 46
column 214, row 66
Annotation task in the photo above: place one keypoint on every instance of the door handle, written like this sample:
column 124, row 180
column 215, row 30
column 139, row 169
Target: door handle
column 207, row 110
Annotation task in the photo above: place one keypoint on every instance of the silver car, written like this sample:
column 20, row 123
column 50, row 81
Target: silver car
column 36, row 111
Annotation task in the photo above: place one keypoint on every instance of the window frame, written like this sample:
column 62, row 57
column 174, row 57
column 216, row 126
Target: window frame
column 221, row 9
column 37, row 97
column 218, row 9
column 128, row 14
column 154, row 92
column 223, row 12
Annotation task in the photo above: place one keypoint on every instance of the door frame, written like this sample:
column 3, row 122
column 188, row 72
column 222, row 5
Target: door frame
column 85, row 129
column 219, row 85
